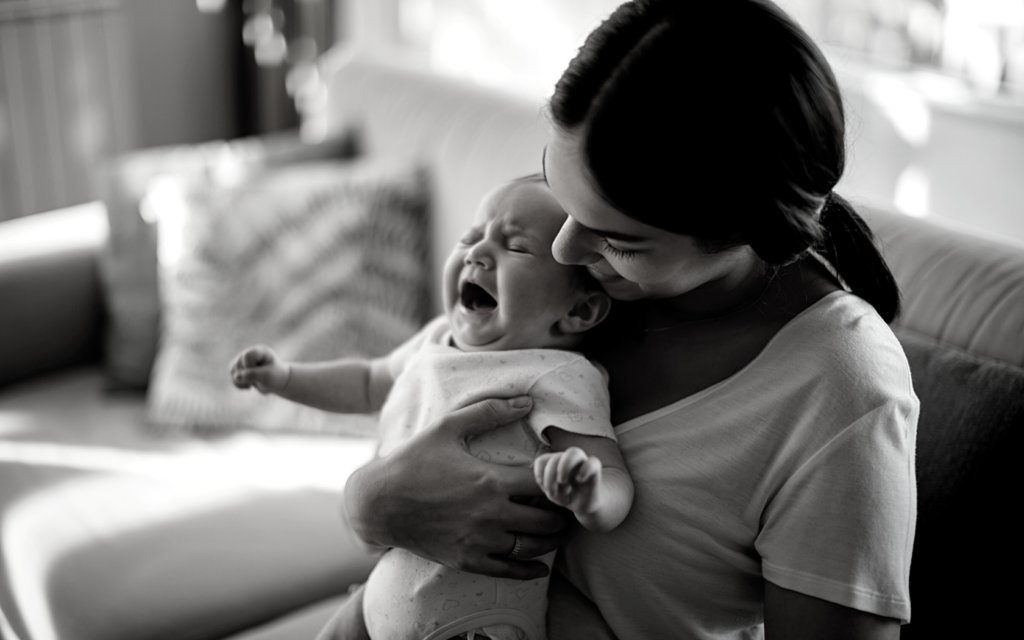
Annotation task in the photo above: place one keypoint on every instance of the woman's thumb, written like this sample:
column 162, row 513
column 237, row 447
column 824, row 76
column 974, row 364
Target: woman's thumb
column 486, row 415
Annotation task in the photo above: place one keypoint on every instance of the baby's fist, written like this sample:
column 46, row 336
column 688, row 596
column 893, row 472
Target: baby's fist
column 260, row 367
column 570, row 479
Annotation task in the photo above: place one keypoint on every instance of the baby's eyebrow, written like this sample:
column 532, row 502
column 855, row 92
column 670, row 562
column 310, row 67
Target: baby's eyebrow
column 513, row 229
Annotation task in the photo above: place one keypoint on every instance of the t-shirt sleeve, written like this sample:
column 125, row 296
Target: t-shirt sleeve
column 841, row 527
column 574, row 397
column 399, row 358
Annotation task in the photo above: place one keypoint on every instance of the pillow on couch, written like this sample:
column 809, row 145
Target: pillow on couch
column 319, row 261
column 128, row 266
column 968, row 437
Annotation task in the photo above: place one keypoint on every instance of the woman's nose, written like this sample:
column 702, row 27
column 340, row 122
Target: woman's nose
column 478, row 255
column 572, row 245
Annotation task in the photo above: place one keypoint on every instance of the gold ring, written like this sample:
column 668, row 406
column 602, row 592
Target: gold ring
column 516, row 547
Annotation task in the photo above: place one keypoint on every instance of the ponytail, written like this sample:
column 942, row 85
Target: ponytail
column 849, row 246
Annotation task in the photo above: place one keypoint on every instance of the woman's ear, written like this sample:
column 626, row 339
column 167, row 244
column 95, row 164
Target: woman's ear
column 587, row 313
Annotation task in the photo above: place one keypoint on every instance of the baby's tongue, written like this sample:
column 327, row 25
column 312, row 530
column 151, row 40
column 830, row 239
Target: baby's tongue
column 475, row 298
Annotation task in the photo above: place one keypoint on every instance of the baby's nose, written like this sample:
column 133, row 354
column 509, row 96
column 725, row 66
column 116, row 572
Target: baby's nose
column 479, row 257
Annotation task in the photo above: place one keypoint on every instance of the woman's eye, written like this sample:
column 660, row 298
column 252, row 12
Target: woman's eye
column 622, row 254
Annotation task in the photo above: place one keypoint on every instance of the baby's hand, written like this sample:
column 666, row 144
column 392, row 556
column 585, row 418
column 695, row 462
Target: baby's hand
column 260, row 367
column 570, row 479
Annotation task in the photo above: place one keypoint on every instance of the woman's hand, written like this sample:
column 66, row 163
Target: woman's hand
column 431, row 497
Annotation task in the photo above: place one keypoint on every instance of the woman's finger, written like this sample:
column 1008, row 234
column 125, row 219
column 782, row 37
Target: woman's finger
column 515, row 569
column 520, row 482
column 484, row 416
column 534, row 521
column 533, row 546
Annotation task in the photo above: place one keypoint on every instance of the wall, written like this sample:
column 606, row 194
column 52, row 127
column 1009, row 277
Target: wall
column 83, row 80
column 919, row 142
column 183, row 71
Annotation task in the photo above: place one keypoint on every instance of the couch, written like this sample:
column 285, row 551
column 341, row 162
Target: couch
column 112, row 531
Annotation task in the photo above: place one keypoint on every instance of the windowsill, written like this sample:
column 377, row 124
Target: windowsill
column 940, row 91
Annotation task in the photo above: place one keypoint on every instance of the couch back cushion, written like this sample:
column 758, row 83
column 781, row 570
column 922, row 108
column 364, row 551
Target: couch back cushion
column 959, row 288
column 962, row 290
column 968, row 437
column 472, row 139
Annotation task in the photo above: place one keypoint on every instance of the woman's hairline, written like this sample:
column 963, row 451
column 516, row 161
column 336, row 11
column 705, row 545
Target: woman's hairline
column 706, row 245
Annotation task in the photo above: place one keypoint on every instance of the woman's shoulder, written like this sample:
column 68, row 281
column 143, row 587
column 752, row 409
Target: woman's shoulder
column 843, row 339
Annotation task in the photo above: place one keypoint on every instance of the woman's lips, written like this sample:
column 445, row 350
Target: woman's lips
column 601, row 276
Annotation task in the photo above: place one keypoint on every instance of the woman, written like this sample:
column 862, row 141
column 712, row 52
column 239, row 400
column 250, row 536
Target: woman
column 766, row 413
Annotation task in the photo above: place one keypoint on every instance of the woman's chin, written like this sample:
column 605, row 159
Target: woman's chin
column 624, row 290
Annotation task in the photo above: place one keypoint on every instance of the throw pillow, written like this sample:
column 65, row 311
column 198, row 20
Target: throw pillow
column 968, row 437
column 128, row 265
column 317, row 260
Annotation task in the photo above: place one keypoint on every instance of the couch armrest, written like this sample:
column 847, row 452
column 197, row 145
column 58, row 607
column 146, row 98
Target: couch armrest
column 50, row 300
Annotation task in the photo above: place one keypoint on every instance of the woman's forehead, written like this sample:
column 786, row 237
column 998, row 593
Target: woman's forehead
column 572, row 185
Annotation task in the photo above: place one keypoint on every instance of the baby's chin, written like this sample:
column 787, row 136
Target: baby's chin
column 463, row 342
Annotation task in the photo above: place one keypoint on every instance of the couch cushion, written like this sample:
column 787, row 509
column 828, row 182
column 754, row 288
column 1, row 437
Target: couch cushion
column 972, row 416
column 960, row 288
column 113, row 531
column 319, row 261
column 471, row 138
column 129, row 264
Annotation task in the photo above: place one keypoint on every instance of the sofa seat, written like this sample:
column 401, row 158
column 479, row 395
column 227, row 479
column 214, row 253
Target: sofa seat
column 98, row 509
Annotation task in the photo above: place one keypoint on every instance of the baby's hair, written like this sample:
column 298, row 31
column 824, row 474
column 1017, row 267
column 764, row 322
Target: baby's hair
column 722, row 121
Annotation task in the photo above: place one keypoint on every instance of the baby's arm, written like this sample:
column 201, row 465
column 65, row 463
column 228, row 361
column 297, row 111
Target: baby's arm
column 587, row 475
column 343, row 386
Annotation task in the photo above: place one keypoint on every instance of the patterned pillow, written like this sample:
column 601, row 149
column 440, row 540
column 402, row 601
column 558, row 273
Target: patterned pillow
column 319, row 261
column 128, row 266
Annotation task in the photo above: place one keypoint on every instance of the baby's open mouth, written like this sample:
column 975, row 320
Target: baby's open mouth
column 473, row 297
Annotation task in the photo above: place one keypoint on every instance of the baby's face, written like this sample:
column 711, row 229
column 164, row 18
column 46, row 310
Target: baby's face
column 502, row 288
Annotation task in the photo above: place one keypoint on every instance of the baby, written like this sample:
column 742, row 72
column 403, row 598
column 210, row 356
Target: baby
column 512, row 317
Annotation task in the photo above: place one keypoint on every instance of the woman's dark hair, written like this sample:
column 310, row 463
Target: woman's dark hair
column 721, row 120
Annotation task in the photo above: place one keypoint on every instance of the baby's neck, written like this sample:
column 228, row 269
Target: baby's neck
column 567, row 345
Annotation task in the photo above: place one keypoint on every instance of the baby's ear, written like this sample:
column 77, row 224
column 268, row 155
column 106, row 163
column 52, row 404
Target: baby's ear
column 587, row 313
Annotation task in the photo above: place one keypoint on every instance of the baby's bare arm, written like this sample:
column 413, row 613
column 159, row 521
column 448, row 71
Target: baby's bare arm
column 341, row 386
column 348, row 385
column 588, row 475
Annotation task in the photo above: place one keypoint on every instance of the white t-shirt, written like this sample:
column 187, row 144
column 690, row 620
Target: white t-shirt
column 798, row 469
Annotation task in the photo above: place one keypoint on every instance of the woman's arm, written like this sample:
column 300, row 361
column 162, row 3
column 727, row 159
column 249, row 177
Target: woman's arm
column 789, row 615
column 430, row 496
